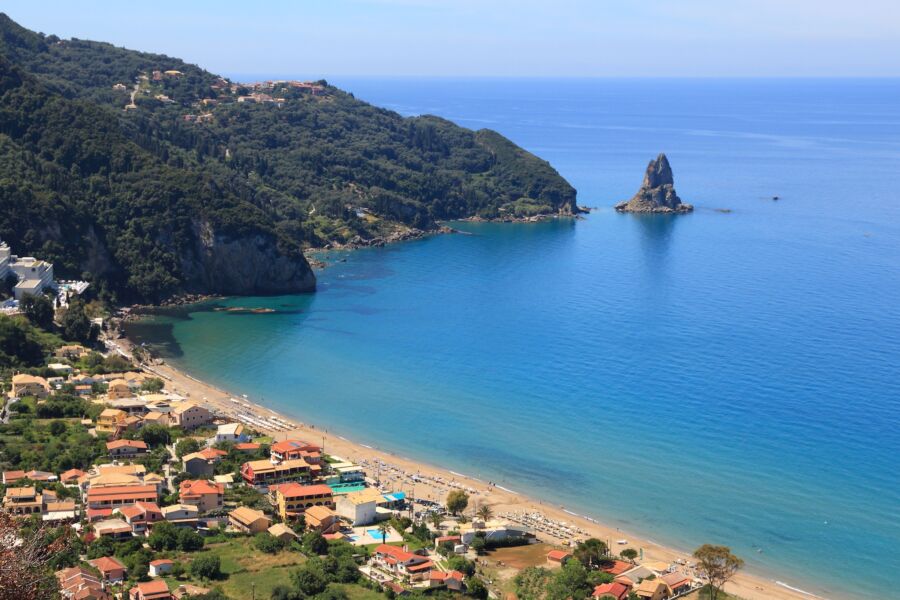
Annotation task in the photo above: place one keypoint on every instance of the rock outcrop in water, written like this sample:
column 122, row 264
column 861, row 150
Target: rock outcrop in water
column 657, row 193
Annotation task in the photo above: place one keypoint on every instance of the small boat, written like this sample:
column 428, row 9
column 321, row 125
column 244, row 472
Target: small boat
column 622, row 542
column 776, row 198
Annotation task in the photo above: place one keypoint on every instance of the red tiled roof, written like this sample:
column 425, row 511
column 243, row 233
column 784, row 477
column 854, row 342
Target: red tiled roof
column 96, row 513
column 200, row 486
column 136, row 444
column 156, row 586
column 614, row 589
column 210, row 453
column 72, row 474
column 420, row 566
column 295, row 490
column 447, row 538
column 618, row 567
column 291, row 445
column 245, row 446
column 105, row 564
column 558, row 555
column 120, row 492
column 161, row 561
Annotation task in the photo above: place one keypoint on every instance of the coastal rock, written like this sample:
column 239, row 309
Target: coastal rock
column 657, row 193
column 247, row 264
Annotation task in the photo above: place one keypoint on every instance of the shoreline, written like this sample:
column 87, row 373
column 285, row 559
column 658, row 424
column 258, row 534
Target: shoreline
column 433, row 480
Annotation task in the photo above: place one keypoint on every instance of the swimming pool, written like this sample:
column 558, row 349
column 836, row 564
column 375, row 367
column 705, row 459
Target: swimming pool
column 374, row 534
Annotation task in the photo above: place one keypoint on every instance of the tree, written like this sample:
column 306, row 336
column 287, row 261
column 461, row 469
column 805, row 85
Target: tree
column 163, row 536
column 155, row 435
column 314, row 543
column 25, row 571
column 629, row 554
column 479, row 545
column 57, row 428
column 38, row 309
column 590, row 552
column 186, row 446
column 384, row 528
column 188, row 540
column 267, row 543
column 484, row 512
column 717, row 565
column 531, row 583
column 457, row 501
column 153, row 385
column 475, row 588
column 310, row 579
column 570, row 582
column 436, row 520
column 206, row 567
column 76, row 325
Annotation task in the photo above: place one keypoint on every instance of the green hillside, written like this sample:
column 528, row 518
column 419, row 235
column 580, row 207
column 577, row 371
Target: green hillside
column 204, row 185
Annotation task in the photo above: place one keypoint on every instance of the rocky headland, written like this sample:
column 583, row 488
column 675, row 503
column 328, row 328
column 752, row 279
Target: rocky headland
column 657, row 193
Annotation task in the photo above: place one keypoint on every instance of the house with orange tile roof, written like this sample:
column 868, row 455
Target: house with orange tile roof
column 78, row 583
column 248, row 447
column 292, row 450
column 202, row 463
column 10, row 477
column 399, row 563
column 115, row 496
column 652, row 589
column 150, row 590
column 111, row 569
column 322, row 519
column 617, row 567
column 559, row 557
column 71, row 476
column 29, row 385
column 611, row 591
column 22, row 501
column 247, row 520
column 678, row 583
column 452, row 580
column 126, row 448
column 263, row 473
column 140, row 516
column 203, row 494
column 161, row 566
column 292, row 499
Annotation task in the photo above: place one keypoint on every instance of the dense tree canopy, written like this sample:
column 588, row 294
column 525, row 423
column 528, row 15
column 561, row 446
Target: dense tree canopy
column 127, row 199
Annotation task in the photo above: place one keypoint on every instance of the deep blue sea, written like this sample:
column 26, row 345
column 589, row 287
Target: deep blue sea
column 727, row 377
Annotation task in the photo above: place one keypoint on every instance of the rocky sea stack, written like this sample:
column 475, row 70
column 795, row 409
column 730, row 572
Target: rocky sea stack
column 657, row 193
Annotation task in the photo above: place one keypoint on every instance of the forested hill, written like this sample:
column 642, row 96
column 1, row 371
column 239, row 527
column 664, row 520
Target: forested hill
column 150, row 176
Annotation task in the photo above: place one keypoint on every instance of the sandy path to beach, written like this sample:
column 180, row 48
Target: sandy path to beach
column 401, row 469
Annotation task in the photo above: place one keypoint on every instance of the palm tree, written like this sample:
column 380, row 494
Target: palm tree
column 383, row 527
column 485, row 513
column 436, row 520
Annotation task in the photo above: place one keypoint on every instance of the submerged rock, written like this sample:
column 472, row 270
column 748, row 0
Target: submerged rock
column 657, row 193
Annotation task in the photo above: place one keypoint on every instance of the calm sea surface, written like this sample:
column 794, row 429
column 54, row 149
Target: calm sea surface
column 724, row 377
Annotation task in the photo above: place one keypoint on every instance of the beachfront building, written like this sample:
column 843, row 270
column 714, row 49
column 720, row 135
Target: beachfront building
column 203, row 494
column 494, row 531
column 360, row 508
column 322, row 519
column 33, row 275
column 678, row 583
column 401, row 564
column 292, row 499
column 558, row 557
column 230, row 432
column 263, row 473
column 126, row 449
column 652, row 589
column 294, row 450
column 247, row 520
column 188, row 415
column 345, row 472
column 28, row 385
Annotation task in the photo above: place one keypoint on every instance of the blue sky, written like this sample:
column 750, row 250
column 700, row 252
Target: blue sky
column 331, row 38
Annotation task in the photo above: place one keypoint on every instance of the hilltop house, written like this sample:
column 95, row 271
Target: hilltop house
column 126, row 449
column 29, row 385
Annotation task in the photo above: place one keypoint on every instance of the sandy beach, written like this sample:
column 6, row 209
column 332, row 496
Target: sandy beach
column 425, row 481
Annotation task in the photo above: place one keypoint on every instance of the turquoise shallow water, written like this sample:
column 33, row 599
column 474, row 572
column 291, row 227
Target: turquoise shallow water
column 726, row 377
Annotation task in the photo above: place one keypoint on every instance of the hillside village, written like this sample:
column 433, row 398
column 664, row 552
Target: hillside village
column 160, row 496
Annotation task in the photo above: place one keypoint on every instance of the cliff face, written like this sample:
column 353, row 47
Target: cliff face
column 246, row 265
column 657, row 192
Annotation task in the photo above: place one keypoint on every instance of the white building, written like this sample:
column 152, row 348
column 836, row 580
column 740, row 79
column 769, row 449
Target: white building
column 34, row 275
column 360, row 508
column 231, row 432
